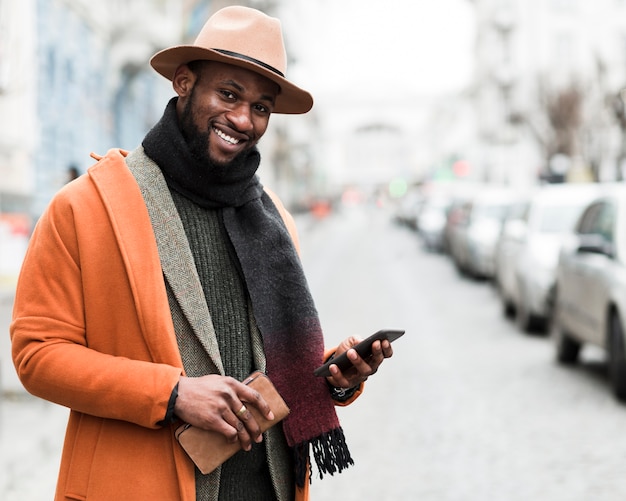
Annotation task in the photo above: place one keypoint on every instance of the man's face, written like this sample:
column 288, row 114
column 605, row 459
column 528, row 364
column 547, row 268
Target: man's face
column 225, row 111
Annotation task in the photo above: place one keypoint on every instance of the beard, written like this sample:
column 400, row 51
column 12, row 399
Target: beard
column 198, row 141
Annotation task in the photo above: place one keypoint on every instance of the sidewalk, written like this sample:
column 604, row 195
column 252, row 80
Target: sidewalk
column 9, row 383
column 31, row 429
column 31, row 438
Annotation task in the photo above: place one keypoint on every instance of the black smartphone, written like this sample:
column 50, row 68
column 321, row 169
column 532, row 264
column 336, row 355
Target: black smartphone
column 364, row 349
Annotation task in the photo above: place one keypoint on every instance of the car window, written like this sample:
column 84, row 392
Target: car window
column 559, row 218
column 603, row 223
column 586, row 221
column 598, row 220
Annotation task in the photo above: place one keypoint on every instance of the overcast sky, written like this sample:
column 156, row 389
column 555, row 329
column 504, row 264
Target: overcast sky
column 374, row 46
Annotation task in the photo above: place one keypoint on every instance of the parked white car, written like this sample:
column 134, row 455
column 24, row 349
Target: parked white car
column 590, row 299
column 528, row 250
column 431, row 221
column 507, row 250
column 474, row 241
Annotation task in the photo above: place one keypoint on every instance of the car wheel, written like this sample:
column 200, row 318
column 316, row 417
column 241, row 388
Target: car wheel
column 550, row 305
column 508, row 309
column 567, row 348
column 617, row 358
column 460, row 267
column 525, row 320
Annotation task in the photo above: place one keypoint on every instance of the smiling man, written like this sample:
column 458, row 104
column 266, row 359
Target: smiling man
column 158, row 281
column 224, row 110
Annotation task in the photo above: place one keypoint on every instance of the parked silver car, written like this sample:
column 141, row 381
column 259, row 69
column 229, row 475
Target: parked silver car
column 590, row 299
column 474, row 240
column 431, row 221
column 408, row 208
column 506, row 251
column 528, row 249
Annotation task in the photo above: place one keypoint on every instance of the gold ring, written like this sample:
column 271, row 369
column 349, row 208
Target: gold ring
column 242, row 411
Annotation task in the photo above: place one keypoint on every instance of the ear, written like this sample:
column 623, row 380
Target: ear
column 183, row 81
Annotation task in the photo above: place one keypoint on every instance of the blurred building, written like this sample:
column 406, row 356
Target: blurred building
column 74, row 78
column 381, row 122
column 548, row 90
column 18, row 83
column 18, row 134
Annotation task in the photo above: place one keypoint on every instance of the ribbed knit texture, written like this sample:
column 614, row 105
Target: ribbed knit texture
column 245, row 476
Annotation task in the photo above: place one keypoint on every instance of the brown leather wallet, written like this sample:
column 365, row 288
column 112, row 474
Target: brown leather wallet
column 209, row 449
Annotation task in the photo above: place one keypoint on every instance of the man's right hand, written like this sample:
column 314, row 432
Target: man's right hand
column 220, row 403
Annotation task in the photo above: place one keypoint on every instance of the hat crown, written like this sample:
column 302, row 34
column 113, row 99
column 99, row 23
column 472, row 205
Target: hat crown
column 248, row 32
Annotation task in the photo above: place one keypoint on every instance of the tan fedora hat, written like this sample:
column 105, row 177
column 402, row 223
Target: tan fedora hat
column 243, row 37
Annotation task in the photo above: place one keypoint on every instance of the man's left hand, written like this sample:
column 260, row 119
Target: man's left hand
column 361, row 368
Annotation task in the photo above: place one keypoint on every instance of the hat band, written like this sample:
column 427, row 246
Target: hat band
column 250, row 59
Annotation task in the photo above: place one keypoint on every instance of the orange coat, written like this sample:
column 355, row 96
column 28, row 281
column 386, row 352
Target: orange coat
column 92, row 331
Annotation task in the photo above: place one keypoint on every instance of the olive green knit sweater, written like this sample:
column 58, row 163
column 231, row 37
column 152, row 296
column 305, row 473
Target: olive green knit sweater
column 245, row 475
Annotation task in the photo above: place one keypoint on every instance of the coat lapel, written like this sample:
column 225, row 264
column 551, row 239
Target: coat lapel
column 129, row 218
column 174, row 252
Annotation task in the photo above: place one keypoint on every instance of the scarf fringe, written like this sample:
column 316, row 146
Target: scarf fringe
column 330, row 452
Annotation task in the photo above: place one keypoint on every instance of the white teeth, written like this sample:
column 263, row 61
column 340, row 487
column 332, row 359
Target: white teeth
column 225, row 137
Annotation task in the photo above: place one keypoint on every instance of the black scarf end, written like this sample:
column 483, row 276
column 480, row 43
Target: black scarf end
column 331, row 455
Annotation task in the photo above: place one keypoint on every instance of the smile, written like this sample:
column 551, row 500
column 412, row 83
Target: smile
column 226, row 137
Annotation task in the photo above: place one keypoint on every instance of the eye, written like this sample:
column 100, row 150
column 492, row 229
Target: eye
column 227, row 94
column 262, row 109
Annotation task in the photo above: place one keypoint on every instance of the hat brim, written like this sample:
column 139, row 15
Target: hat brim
column 291, row 99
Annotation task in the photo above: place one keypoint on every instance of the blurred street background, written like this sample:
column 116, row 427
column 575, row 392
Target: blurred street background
column 461, row 176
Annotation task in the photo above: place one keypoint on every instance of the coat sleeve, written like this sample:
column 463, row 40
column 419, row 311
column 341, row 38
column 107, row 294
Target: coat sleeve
column 76, row 336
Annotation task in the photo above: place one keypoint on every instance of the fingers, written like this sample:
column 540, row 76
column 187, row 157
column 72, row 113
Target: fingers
column 242, row 412
column 245, row 427
column 361, row 368
column 254, row 398
column 380, row 351
column 222, row 404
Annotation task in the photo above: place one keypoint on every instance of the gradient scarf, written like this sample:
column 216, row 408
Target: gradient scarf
column 283, row 307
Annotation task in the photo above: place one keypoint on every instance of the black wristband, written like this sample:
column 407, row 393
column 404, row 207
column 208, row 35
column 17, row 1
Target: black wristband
column 341, row 394
column 170, row 417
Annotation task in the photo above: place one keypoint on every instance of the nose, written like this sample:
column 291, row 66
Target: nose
column 241, row 117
